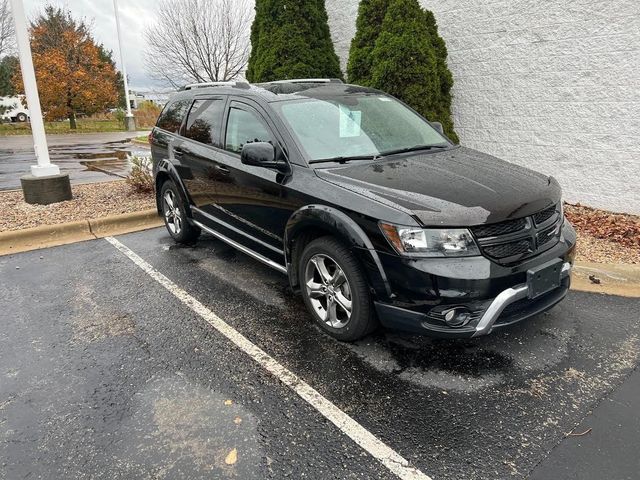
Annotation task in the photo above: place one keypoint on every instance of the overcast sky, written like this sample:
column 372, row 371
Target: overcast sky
column 135, row 15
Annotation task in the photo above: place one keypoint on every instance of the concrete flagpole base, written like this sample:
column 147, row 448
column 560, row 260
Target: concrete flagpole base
column 43, row 190
column 130, row 123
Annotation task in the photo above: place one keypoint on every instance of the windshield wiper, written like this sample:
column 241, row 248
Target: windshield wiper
column 415, row 148
column 344, row 159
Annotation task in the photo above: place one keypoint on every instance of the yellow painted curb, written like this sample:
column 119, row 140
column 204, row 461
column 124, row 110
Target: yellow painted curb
column 614, row 279
column 622, row 280
column 125, row 223
column 64, row 233
column 44, row 236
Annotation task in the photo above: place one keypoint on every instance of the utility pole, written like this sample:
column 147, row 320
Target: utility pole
column 130, row 121
column 45, row 184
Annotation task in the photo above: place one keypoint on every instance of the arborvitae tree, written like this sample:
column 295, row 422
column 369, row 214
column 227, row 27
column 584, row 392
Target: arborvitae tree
column 397, row 49
column 443, row 106
column 368, row 24
column 8, row 68
column 291, row 39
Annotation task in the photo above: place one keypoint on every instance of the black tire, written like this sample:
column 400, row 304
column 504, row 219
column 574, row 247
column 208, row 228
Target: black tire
column 21, row 117
column 187, row 233
column 362, row 321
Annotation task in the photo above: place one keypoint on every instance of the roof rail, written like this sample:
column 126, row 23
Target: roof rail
column 309, row 80
column 191, row 86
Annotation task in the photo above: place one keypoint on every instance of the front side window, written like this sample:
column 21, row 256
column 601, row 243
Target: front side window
column 172, row 116
column 355, row 125
column 245, row 127
column 203, row 122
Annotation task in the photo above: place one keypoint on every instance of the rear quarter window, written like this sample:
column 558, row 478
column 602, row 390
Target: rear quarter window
column 172, row 116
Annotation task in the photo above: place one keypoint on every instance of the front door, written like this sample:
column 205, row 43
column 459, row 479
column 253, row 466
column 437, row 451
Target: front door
column 251, row 204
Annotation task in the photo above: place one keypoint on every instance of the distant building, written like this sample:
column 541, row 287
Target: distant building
column 141, row 95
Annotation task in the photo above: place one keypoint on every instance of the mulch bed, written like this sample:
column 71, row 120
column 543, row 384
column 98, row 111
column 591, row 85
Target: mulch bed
column 616, row 227
column 89, row 201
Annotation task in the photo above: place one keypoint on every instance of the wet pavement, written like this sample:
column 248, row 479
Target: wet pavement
column 104, row 374
column 87, row 158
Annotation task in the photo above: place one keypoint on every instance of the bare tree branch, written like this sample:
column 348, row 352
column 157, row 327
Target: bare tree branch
column 199, row 41
column 7, row 33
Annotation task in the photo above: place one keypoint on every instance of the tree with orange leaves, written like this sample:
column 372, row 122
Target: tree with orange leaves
column 72, row 72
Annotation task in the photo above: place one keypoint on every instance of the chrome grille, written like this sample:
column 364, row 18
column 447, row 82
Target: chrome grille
column 514, row 240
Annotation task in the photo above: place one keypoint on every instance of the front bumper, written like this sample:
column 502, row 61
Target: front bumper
column 495, row 295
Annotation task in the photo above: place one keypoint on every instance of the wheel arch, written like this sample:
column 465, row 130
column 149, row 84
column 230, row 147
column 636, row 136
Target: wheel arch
column 166, row 171
column 313, row 221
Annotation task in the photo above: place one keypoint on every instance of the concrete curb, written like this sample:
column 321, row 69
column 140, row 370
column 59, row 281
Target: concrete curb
column 621, row 280
column 614, row 279
column 53, row 235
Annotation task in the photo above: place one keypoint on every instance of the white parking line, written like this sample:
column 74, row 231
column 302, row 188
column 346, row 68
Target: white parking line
column 360, row 435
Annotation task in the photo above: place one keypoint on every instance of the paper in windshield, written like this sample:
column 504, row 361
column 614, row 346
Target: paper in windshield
column 349, row 122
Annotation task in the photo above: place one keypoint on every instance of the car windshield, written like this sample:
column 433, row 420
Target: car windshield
column 356, row 127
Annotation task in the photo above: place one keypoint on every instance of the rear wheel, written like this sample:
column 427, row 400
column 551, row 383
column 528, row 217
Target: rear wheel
column 21, row 117
column 175, row 215
column 335, row 290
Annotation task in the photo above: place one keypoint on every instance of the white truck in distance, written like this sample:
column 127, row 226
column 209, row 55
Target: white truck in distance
column 12, row 109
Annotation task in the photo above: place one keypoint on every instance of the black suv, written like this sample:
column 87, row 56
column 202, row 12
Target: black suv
column 369, row 209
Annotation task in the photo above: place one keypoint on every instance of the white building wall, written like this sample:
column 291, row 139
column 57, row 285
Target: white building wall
column 551, row 85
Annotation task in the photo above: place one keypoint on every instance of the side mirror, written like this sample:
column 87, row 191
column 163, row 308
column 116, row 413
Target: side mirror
column 438, row 127
column 262, row 154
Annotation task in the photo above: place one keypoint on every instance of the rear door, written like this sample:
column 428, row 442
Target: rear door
column 166, row 132
column 200, row 149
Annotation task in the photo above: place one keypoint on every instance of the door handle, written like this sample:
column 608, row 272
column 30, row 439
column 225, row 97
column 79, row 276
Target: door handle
column 178, row 151
column 222, row 169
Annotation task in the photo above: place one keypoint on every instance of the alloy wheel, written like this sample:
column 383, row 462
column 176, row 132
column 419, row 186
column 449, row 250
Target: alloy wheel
column 172, row 214
column 328, row 290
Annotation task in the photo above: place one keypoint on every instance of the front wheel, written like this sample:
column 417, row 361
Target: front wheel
column 21, row 117
column 335, row 290
column 175, row 215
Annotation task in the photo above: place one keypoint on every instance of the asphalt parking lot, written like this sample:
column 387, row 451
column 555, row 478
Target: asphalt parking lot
column 109, row 371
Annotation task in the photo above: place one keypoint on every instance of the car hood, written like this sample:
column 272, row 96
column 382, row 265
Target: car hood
column 456, row 187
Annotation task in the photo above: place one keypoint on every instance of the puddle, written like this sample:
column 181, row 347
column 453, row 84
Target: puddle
column 452, row 357
column 443, row 364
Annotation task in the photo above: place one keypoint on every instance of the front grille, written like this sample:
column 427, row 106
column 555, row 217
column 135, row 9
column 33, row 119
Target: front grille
column 546, row 236
column 510, row 241
column 509, row 249
column 544, row 215
column 495, row 229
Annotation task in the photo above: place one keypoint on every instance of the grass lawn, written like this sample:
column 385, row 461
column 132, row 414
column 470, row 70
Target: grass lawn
column 84, row 126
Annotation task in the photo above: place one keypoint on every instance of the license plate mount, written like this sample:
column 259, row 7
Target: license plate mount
column 544, row 278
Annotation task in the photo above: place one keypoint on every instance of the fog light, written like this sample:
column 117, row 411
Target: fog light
column 457, row 317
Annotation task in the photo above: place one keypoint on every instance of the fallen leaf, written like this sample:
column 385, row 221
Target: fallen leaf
column 228, row 402
column 594, row 279
column 232, row 457
column 237, row 420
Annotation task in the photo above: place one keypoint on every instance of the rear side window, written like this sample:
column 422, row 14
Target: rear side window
column 172, row 116
column 245, row 127
column 203, row 122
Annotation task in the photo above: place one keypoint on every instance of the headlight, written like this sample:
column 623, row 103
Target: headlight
column 430, row 242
